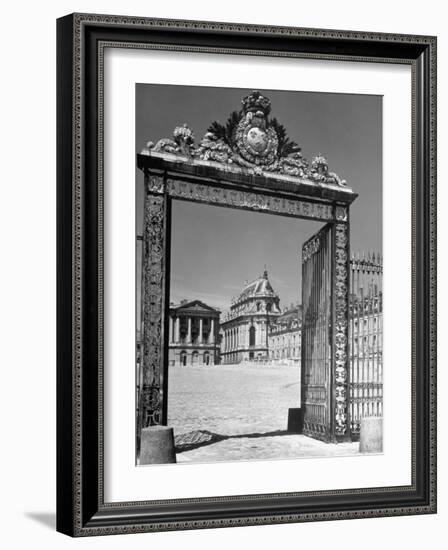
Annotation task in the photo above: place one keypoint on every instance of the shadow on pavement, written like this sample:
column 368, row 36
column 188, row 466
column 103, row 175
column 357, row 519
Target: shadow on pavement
column 201, row 438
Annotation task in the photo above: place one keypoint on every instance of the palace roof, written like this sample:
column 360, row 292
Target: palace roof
column 260, row 288
column 290, row 319
column 193, row 306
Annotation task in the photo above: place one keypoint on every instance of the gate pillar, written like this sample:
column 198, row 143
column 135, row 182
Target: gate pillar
column 340, row 343
column 153, row 378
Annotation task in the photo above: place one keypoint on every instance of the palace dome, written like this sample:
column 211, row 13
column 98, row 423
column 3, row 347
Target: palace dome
column 260, row 288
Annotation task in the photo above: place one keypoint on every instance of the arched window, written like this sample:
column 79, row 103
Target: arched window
column 206, row 358
column 183, row 358
column 252, row 336
column 268, row 308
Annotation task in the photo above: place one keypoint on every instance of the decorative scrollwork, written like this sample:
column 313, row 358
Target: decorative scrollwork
column 156, row 184
column 252, row 140
column 310, row 248
column 248, row 200
column 341, row 213
column 294, row 165
column 341, row 328
column 153, row 246
column 212, row 148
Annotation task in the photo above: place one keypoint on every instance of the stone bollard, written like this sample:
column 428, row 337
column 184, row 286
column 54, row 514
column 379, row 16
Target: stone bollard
column 371, row 435
column 295, row 420
column 157, row 445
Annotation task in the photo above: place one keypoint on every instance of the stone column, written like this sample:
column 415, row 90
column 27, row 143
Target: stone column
column 176, row 330
column 212, row 332
column 189, row 331
column 171, row 329
column 200, row 330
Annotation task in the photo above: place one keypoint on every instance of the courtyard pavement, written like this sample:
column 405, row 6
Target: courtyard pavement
column 236, row 412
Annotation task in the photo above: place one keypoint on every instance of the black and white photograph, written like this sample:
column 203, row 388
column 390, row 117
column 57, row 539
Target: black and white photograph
column 258, row 274
column 220, row 275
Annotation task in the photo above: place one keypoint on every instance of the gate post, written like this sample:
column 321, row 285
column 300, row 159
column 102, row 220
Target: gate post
column 340, row 314
column 155, row 254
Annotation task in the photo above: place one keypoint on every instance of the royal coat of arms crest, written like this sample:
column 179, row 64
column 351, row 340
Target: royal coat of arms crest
column 255, row 139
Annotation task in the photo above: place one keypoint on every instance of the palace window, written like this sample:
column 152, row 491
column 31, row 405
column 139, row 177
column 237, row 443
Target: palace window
column 252, row 336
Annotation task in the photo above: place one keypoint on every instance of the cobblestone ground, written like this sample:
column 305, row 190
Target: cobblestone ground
column 233, row 412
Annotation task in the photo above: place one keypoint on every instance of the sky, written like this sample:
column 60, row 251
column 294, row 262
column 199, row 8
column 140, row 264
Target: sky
column 215, row 250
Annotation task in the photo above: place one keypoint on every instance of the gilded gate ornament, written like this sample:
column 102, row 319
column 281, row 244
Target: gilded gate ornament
column 249, row 139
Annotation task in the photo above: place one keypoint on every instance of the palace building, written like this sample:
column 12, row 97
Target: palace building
column 285, row 337
column 246, row 327
column 194, row 333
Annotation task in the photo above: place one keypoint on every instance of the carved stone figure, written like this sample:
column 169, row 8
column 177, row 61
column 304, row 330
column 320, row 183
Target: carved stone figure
column 320, row 174
column 181, row 144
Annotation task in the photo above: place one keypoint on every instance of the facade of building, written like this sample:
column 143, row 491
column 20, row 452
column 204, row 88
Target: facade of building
column 285, row 337
column 246, row 327
column 194, row 334
column 255, row 329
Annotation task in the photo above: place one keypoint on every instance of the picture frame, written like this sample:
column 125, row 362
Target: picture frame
column 81, row 506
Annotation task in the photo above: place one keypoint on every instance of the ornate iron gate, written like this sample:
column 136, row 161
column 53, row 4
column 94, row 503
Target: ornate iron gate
column 366, row 333
column 325, row 371
column 316, row 334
